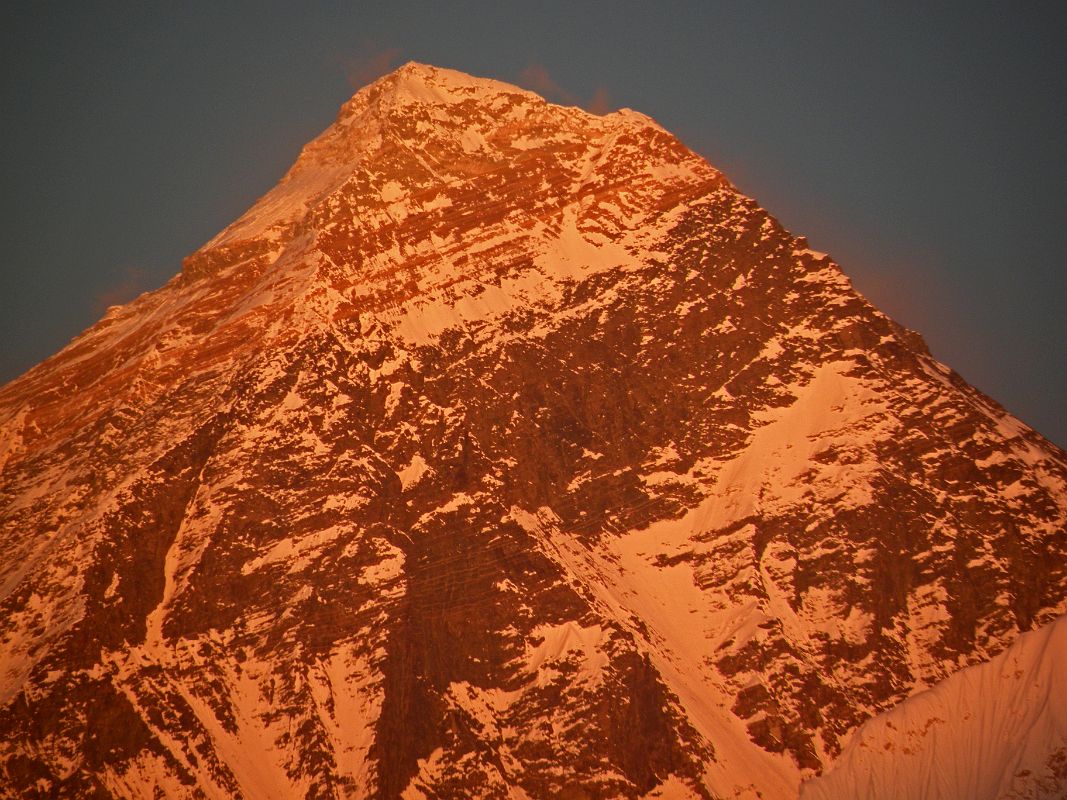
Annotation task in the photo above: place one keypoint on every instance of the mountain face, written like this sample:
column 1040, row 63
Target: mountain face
column 997, row 729
column 501, row 450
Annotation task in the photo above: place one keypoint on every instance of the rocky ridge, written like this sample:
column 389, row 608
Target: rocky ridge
column 501, row 450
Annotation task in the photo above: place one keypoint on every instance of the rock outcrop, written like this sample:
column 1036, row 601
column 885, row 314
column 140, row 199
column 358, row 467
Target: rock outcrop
column 501, row 450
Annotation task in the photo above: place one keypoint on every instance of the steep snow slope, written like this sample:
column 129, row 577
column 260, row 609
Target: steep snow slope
column 990, row 732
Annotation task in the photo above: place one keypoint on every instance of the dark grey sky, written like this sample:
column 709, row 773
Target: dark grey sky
column 922, row 147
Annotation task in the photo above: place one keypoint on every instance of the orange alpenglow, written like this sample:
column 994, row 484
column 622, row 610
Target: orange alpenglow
column 505, row 450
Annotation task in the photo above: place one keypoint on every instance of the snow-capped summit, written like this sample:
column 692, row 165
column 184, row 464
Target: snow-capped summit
column 420, row 128
column 501, row 450
column 425, row 83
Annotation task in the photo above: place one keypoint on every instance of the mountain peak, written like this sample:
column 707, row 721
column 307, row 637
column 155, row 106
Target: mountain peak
column 501, row 450
column 432, row 125
column 415, row 72
column 415, row 82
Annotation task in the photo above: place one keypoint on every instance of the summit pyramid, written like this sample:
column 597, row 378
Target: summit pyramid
column 505, row 450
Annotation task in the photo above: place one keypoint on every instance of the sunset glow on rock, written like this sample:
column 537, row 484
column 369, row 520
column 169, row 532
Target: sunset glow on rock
column 506, row 450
